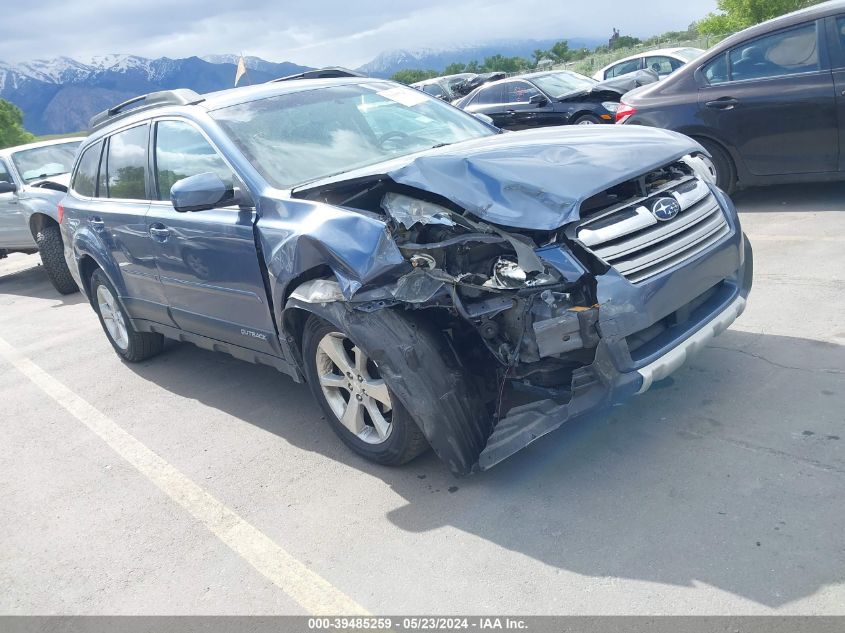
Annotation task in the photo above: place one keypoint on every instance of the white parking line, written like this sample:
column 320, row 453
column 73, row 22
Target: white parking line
column 314, row 593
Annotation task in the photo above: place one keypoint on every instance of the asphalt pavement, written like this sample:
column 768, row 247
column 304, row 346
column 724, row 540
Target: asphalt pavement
column 194, row 483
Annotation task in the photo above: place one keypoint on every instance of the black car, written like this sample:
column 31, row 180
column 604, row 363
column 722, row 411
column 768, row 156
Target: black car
column 767, row 103
column 559, row 97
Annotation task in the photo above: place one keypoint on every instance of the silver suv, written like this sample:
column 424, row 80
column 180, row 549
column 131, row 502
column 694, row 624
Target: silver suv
column 33, row 180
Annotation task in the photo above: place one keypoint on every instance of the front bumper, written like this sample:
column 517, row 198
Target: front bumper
column 710, row 292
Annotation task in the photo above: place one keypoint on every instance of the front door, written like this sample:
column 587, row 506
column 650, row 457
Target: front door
column 772, row 98
column 207, row 260
column 14, row 231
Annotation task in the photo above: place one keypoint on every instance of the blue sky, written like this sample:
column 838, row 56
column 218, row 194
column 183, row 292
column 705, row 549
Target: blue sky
column 319, row 32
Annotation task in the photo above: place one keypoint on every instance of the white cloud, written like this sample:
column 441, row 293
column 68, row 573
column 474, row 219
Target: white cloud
column 316, row 33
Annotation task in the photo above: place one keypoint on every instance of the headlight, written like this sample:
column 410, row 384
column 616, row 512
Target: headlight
column 409, row 211
column 610, row 106
column 701, row 166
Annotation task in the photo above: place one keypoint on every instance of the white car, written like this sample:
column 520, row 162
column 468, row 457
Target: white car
column 663, row 61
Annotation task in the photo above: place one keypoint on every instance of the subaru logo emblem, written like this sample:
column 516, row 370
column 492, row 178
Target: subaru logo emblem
column 665, row 209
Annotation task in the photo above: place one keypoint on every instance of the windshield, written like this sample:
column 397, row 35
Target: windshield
column 563, row 83
column 688, row 54
column 303, row 136
column 43, row 162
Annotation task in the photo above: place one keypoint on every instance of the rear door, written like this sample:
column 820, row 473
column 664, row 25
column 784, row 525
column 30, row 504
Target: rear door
column 110, row 196
column 14, row 232
column 772, row 98
column 836, row 38
column 207, row 260
column 490, row 100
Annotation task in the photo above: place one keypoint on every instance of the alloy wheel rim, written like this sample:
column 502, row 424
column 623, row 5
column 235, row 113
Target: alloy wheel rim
column 354, row 389
column 112, row 317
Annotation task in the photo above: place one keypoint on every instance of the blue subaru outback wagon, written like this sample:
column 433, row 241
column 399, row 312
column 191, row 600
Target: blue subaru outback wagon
column 436, row 282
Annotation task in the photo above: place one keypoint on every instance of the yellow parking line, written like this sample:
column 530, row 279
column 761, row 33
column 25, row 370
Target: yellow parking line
column 314, row 593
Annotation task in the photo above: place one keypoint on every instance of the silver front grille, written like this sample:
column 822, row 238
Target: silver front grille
column 632, row 240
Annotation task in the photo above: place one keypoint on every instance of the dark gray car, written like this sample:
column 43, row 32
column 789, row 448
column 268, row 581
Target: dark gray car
column 436, row 282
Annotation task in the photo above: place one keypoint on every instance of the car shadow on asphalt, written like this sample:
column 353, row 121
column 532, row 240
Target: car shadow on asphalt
column 33, row 282
column 813, row 197
column 728, row 474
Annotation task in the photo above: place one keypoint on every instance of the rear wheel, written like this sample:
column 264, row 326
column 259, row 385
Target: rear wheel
column 719, row 164
column 587, row 119
column 51, row 249
column 130, row 344
column 355, row 398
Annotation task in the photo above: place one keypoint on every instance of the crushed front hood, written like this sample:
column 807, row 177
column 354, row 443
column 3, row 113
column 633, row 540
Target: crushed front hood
column 537, row 179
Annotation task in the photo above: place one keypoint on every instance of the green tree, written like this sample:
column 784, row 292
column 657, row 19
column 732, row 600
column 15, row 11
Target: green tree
column 12, row 131
column 454, row 68
column 410, row 76
column 738, row 14
column 560, row 51
column 539, row 54
column 504, row 64
column 624, row 41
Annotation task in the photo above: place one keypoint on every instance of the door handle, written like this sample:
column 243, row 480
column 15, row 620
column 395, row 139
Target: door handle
column 511, row 112
column 725, row 103
column 159, row 232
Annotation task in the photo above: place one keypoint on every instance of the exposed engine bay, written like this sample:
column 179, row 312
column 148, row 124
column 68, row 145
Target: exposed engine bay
column 526, row 329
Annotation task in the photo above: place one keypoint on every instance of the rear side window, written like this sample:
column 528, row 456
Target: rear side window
column 493, row 94
column 85, row 179
column 781, row 54
column 126, row 165
column 182, row 151
column 622, row 69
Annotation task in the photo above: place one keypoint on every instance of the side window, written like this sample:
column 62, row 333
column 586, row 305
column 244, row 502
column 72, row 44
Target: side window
column 661, row 64
column 85, row 179
column 781, row 54
column 840, row 32
column 623, row 69
column 493, row 94
column 519, row 92
column 182, row 151
column 434, row 90
column 126, row 165
column 716, row 72
column 4, row 173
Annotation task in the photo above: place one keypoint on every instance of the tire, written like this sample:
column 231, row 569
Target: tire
column 51, row 248
column 587, row 119
column 130, row 345
column 397, row 443
column 722, row 164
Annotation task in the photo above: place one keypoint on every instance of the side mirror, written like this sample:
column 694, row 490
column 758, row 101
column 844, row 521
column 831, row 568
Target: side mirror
column 538, row 100
column 484, row 118
column 8, row 187
column 202, row 192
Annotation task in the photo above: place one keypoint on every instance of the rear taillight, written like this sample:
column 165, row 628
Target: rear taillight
column 624, row 111
column 60, row 209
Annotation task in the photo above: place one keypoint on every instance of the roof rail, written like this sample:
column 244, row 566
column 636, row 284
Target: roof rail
column 180, row 96
column 329, row 72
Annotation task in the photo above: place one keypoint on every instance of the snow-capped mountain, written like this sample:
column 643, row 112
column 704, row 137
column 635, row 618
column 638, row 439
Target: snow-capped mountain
column 389, row 62
column 60, row 95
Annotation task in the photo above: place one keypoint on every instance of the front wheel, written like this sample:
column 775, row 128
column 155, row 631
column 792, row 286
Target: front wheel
column 51, row 249
column 587, row 119
column 129, row 343
column 719, row 164
column 355, row 398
